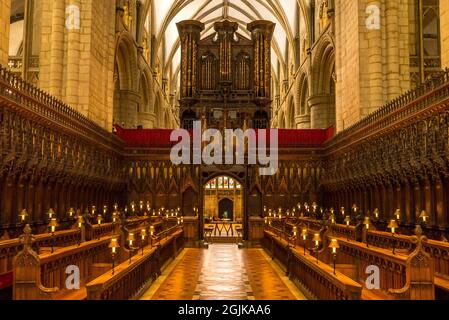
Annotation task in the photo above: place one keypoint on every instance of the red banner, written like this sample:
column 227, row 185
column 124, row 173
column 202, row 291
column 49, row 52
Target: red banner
column 160, row 138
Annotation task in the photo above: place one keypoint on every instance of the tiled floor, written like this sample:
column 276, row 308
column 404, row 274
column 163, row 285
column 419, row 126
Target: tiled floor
column 223, row 272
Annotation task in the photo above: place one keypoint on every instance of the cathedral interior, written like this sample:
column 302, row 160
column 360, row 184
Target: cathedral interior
column 354, row 96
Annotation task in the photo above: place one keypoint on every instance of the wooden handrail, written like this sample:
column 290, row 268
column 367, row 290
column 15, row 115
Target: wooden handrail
column 130, row 278
column 317, row 280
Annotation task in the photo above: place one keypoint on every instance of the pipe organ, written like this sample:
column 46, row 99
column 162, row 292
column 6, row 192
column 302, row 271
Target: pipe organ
column 226, row 77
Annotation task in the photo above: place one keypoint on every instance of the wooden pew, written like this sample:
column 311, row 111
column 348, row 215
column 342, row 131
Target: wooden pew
column 317, row 281
column 130, row 280
column 438, row 250
column 402, row 275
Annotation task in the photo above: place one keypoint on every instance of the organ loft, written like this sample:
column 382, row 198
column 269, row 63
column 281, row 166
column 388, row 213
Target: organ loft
column 226, row 77
column 332, row 184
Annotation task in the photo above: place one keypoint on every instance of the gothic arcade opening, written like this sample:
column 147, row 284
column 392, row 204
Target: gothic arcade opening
column 223, row 208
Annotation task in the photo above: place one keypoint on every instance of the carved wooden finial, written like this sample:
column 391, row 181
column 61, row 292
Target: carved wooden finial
column 419, row 238
column 27, row 238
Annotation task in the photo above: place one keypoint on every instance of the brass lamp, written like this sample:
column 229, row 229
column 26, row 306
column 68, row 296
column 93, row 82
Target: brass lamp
column 151, row 235
column 334, row 246
column 133, row 207
column 131, row 238
column 367, row 223
column 299, row 206
column 94, row 209
column 270, row 212
column 317, row 240
column 393, row 226
column 332, row 218
column 80, row 222
column 53, row 225
column 114, row 217
column 304, row 235
column 141, row 206
column 314, row 207
column 376, row 213
column 105, row 210
column 99, row 220
column 424, row 217
column 348, row 223
column 143, row 235
column 288, row 212
column 295, row 231
column 179, row 221
column 354, row 209
column 342, row 211
column 397, row 214
column 50, row 214
column 114, row 246
column 23, row 216
column 71, row 213
column 115, row 206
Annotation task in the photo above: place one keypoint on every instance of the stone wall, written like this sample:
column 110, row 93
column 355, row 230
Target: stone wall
column 5, row 9
column 76, row 64
column 373, row 56
column 444, row 13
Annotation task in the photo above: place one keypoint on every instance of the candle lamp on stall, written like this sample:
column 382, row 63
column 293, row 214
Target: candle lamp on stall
column 23, row 216
column 71, row 213
column 131, row 238
column 334, row 246
column 348, row 224
column 80, row 223
column 295, row 235
column 304, row 235
column 99, row 221
column 114, row 246
column 152, row 232
column 424, row 217
column 50, row 214
column 133, row 208
column 397, row 215
column 53, row 225
column 143, row 236
column 393, row 226
column 317, row 240
column 367, row 223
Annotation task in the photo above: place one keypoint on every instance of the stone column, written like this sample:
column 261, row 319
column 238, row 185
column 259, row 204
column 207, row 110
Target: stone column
column 189, row 32
column 57, row 48
column 73, row 59
column 5, row 13
column 444, row 33
column 321, row 111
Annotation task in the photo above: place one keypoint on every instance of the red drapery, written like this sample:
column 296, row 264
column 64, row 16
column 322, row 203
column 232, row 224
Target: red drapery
column 160, row 138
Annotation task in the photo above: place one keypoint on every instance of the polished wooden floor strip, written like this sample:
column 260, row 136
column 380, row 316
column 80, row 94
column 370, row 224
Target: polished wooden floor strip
column 223, row 272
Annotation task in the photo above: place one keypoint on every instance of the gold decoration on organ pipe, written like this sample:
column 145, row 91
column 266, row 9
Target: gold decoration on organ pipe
column 225, row 32
column 190, row 33
column 262, row 34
